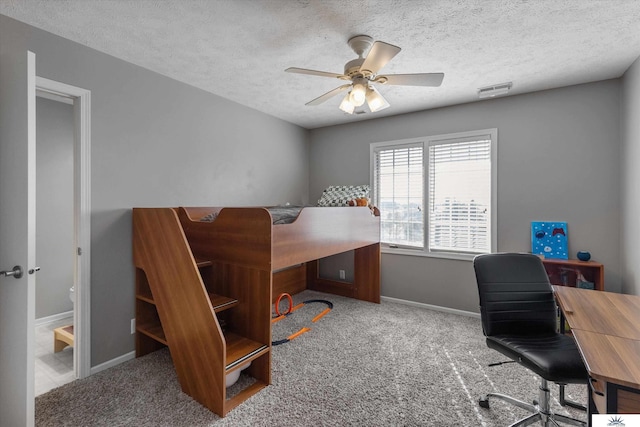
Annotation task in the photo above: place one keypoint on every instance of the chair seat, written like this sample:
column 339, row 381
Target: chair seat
column 554, row 357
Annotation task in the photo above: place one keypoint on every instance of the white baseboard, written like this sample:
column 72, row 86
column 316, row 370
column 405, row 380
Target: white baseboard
column 54, row 318
column 432, row 307
column 113, row 362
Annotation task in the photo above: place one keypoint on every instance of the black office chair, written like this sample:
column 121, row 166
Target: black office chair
column 519, row 317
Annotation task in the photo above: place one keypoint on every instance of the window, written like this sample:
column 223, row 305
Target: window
column 453, row 176
column 398, row 193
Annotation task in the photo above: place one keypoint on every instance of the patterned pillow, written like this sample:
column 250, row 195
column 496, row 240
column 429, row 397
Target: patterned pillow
column 210, row 217
column 340, row 195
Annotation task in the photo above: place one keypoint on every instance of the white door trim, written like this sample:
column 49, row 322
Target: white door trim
column 31, row 236
column 82, row 211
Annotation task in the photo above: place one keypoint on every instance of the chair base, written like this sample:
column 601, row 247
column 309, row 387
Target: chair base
column 540, row 411
column 565, row 402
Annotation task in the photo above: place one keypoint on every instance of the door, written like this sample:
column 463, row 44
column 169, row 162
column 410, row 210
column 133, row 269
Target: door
column 17, row 233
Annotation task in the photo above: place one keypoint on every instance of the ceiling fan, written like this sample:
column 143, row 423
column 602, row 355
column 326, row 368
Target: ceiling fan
column 362, row 72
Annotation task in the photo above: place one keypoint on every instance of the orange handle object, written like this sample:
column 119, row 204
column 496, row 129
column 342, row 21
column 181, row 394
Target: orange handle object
column 281, row 316
column 278, row 304
column 297, row 334
column 277, row 319
column 319, row 316
column 297, row 307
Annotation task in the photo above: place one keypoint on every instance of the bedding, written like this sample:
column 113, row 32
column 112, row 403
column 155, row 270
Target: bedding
column 332, row 196
column 341, row 195
column 284, row 214
column 279, row 214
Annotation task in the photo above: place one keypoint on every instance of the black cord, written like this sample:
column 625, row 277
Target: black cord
column 501, row 363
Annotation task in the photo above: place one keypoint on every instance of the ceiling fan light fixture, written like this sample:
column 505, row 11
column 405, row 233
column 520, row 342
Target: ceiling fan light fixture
column 358, row 94
column 375, row 101
column 346, row 104
column 362, row 74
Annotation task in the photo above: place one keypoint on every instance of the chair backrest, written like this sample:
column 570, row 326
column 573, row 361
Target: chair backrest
column 515, row 295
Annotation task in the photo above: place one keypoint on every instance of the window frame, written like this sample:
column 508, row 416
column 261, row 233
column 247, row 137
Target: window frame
column 426, row 142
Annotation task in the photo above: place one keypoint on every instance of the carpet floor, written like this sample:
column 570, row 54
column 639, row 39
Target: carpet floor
column 362, row 364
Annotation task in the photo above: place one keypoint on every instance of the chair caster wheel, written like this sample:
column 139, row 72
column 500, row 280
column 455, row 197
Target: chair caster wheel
column 484, row 403
column 535, row 403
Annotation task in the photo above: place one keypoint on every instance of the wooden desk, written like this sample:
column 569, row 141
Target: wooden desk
column 606, row 327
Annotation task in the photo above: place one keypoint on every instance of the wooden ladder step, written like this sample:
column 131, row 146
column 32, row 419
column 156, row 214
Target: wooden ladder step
column 241, row 349
column 221, row 303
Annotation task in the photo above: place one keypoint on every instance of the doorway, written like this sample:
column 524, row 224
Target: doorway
column 55, row 242
column 62, row 234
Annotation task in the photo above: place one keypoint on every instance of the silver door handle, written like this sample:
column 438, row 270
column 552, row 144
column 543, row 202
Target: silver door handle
column 16, row 272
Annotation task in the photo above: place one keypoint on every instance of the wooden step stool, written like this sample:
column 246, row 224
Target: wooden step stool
column 62, row 337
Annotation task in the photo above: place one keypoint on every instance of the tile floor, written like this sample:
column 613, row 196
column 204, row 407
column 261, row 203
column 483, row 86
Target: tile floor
column 52, row 369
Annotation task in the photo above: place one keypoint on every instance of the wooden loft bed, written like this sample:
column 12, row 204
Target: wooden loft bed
column 205, row 289
column 175, row 308
column 247, row 237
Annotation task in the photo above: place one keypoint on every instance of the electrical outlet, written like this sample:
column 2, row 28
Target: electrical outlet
column 133, row 326
column 342, row 275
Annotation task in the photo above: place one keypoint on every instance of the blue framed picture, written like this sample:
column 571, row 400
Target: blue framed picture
column 549, row 239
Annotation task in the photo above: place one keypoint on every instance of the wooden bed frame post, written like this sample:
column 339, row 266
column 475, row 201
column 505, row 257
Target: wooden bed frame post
column 367, row 273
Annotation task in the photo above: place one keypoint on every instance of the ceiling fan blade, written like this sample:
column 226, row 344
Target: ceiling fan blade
column 379, row 55
column 423, row 79
column 322, row 98
column 315, row 73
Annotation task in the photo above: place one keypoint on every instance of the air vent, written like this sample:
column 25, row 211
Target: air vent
column 495, row 90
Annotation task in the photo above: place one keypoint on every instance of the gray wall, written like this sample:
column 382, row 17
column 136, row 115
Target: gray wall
column 558, row 159
column 630, row 197
column 55, row 251
column 158, row 142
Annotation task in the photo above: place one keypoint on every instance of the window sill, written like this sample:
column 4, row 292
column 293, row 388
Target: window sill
column 421, row 253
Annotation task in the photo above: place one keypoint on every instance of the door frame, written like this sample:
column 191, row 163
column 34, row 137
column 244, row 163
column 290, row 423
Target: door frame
column 82, row 218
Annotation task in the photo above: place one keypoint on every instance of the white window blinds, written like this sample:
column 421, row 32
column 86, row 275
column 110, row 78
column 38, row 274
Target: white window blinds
column 398, row 192
column 460, row 178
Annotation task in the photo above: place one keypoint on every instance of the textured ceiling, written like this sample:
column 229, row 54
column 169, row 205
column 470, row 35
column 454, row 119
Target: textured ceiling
column 239, row 49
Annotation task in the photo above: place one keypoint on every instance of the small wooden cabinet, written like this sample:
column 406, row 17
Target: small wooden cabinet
column 564, row 272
